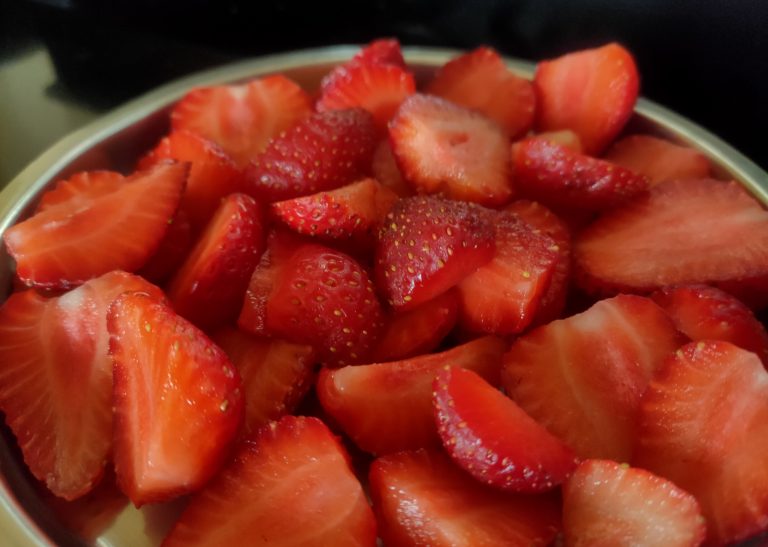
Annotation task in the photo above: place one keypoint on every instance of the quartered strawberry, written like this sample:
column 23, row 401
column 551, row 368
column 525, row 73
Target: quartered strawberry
column 242, row 118
column 669, row 238
column 481, row 81
column 704, row 426
column 177, row 401
column 591, row 92
column 81, row 188
column 56, row 380
column 446, row 148
column 582, row 377
column 386, row 407
column 607, row 504
column 208, row 288
column 322, row 152
column 172, row 251
column 386, row 171
column 429, row 244
column 422, row 498
column 74, row 241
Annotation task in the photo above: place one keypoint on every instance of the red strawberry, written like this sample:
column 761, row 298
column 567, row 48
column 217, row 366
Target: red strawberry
column 481, row 81
column 607, row 504
column 81, row 188
column 429, row 244
column 291, row 485
column 172, row 251
column 753, row 291
column 208, row 288
column 177, row 401
column 668, row 238
column 382, row 51
column 386, row 407
column 704, row 426
column 385, row 170
column 421, row 498
column 322, row 152
column 591, row 92
column 242, row 118
column 582, row 377
column 443, row 147
column 56, row 380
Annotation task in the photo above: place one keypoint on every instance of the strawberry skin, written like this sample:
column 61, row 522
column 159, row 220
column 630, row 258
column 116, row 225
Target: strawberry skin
column 82, row 187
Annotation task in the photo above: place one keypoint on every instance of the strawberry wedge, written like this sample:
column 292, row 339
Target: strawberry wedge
column 81, row 187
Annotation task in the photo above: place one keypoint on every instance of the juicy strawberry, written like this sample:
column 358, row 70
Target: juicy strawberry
column 605, row 503
column 429, row 244
column 669, row 238
column 385, row 170
column 591, row 92
column 81, row 188
column 704, row 426
column 242, row 118
column 322, row 152
column 384, row 51
column 208, row 288
column 421, row 498
column 172, row 251
column 177, row 401
column 386, row 407
column 582, row 377
column 443, row 147
column 290, row 485
column 481, row 81
column 56, row 380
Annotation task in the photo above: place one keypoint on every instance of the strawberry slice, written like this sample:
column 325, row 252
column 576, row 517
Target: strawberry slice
column 177, row 401
column 82, row 187
column 493, row 439
column 385, row 170
column 429, row 244
column 322, row 152
column 421, row 498
column 386, row 407
column 384, row 51
column 208, row 288
column 56, row 380
column 481, row 81
column 443, row 147
column 173, row 249
column 668, row 238
column 582, row 377
column 241, row 119
column 591, row 92
column 605, row 503
column 704, row 426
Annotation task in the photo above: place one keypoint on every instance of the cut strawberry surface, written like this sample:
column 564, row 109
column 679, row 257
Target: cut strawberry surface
column 81, row 188
column 172, row 251
column 382, row 51
column 607, row 504
column 591, row 92
column 386, row 171
column 290, row 485
column 582, row 377
column 177, row 401
column 422, row 498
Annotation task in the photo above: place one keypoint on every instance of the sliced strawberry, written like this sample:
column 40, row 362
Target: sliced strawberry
column 384, row 51
column 481, row 81
column 563, row 137
column 386, row 407
column 177, row 401
column 582, row 377
column 704, row 426
column 72, row 242
column 290, row 485
column 241, row 119
column 591, row 92
column 208, row 288
column 422, row 498
column 668, row 238
column 605, row 503
column 443, row 147
column 173, row 249
column 429, row 244
column 385, row 170
column 81, row 188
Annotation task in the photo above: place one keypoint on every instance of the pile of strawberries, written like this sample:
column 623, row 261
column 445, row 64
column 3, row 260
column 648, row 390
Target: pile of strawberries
column 520, row 327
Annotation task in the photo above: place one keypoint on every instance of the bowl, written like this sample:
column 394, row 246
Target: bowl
column 30, row 517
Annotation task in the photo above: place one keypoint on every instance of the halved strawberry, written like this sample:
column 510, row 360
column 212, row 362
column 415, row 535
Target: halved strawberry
column 591, row 92
column 177, row 401
column 429, row 244
column 704, row 426
column 290, row 485
column 582, row 377
column 81, row 187
column 422, row 498
column 386, row 407
column 443, row 147
column 481, row 81
column 208, row 288
column 386, row 171
column 173, row 249
column 242, row 118
column 605, row 503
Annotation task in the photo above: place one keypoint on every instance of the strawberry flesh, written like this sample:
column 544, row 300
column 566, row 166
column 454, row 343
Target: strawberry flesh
column 80, row 188
column 386, row 171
